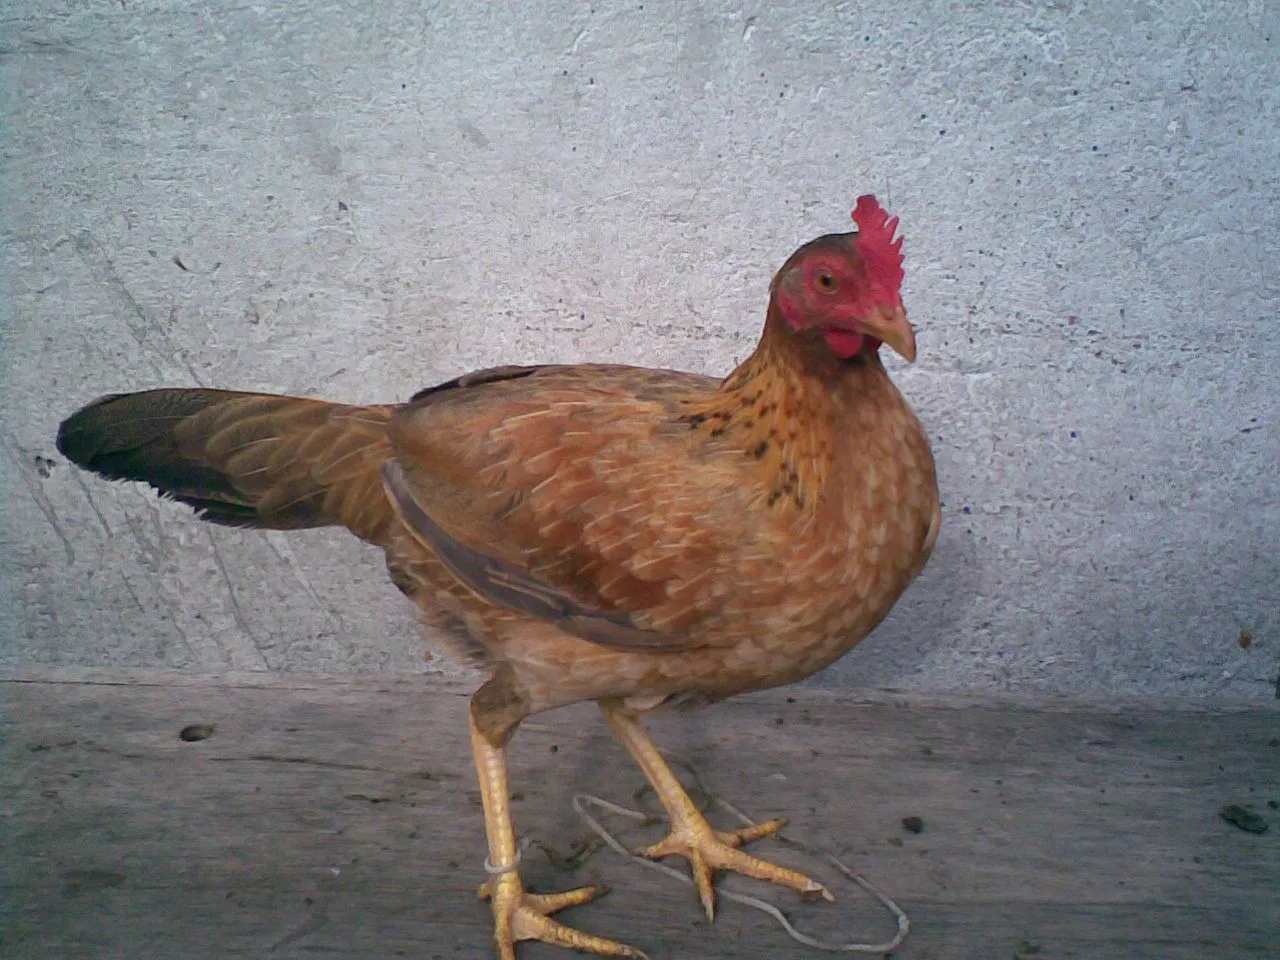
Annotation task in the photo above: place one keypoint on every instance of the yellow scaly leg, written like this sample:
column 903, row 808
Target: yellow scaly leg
column 518, row 915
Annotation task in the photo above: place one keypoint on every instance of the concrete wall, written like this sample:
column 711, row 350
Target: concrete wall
column 356, row 200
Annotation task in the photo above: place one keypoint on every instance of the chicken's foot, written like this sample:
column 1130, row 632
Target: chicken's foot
column 692, row 837
column 518, row 914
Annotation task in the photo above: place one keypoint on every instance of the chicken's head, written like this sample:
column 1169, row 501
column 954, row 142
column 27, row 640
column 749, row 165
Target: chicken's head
column 846, row 287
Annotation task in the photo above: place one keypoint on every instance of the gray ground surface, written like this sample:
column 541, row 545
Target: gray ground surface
column 327, row 818
column 356, row 200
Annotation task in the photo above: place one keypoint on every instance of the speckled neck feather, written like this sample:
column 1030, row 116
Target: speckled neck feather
column 782, row 406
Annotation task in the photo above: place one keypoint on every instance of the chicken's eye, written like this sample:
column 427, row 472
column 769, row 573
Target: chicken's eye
column 826, row 283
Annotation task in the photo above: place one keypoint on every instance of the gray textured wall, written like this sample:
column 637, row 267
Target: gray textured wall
column 366, row 198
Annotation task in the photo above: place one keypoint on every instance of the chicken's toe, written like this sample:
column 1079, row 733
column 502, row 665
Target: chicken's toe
column 709, row 850
column 520, row 915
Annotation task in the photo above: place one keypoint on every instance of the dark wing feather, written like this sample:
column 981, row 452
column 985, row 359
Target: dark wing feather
column 507, row 586
column 476, row 378
column 581, row 496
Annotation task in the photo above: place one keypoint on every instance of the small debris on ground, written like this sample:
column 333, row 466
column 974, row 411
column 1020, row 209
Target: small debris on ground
column 913, row 824
column 196, row 731
column 581, row 851
column 1246, row 820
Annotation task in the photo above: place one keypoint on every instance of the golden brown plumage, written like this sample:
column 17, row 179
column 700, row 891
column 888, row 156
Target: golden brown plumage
column 600, row 532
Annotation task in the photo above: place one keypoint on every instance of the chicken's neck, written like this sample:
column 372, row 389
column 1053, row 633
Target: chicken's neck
column 786, row 406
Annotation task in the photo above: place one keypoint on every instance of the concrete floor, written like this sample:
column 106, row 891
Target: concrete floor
column 339, row 819
column 356, row 200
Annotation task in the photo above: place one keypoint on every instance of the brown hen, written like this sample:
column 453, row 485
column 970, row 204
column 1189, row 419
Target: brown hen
column 633, row 537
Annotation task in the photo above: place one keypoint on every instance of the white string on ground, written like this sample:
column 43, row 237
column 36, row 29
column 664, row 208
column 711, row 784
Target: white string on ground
column 581, row 800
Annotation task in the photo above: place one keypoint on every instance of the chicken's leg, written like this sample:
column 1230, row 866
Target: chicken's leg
column 517, row 914
column 691, row 837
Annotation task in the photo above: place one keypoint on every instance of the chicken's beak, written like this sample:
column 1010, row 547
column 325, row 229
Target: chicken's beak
column 890, row 326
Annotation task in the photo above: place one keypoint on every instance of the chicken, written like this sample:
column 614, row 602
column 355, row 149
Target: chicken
column 634, row 537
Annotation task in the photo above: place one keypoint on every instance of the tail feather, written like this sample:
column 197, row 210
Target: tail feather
column 242, row 459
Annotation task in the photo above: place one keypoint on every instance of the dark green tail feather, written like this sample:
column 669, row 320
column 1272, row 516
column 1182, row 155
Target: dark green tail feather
column 130, row 436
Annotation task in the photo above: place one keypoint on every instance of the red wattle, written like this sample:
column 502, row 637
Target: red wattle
column 844, row 343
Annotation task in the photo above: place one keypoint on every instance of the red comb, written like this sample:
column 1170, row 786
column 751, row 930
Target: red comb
column 881, row 253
